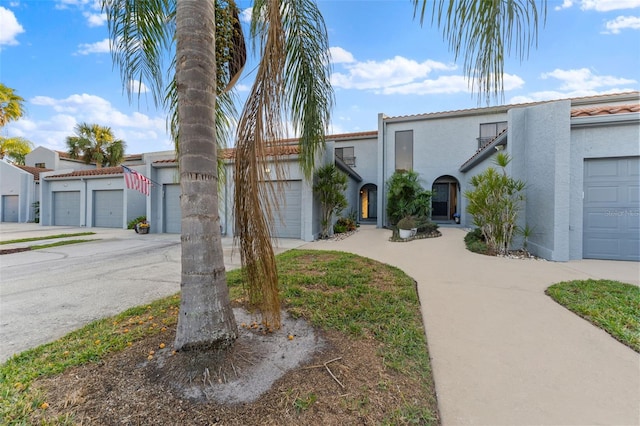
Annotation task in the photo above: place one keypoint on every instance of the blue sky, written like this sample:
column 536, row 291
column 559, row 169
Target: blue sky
column 54, row 53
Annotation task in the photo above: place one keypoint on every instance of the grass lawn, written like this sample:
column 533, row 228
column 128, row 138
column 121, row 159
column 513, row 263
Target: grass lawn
column 611, row 305
column 373, row 309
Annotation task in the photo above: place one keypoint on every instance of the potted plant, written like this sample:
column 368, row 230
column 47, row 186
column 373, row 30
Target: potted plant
column 142, row 227
column 407, row 227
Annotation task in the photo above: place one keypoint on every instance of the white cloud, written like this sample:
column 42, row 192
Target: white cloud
column 584, row 80
column 621, row 23
column 141, row 132
column 447, row 85
column 608, row 5
column 136, row 87
column 95, row 19
column 245, row 15
column 97, row 47
column 565, row 5
column 388, row 73
column 10, row 27
column 340, row 56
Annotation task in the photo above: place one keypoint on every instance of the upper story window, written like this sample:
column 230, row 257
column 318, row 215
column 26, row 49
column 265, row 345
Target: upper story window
column 488, row 131
column 41, row 166
column 347, row 155
column 404, row 150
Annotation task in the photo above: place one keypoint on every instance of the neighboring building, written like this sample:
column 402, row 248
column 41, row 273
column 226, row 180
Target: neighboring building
column 579, row 157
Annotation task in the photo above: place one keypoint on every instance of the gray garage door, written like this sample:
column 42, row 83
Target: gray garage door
column 290, row 225
column 172, row 212
column 108, row 209
column 611, row 228
column 10, row 205
column 66, row 208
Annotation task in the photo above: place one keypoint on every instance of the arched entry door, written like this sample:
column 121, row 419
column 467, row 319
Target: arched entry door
column 369, row 202
column 444, row 201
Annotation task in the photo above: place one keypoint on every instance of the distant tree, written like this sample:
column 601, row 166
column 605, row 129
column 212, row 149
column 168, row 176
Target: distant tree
column 11, row 105
column 329, row 187
column 15, row 149
column 96, row 144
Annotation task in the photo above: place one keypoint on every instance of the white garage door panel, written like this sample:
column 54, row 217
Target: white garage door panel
column 288, row 218
column 611, row 225
column 108, row 209
column 10, row 205
column 172, row 212
column 66, row 208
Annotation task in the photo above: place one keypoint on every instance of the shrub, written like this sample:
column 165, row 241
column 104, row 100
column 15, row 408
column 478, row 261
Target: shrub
column 406, row 197
column 427, row 227
column 329, row 187
column 132, row 224
column 475, row 242
column 344, row 224
column 407, row 223
column 494, row 203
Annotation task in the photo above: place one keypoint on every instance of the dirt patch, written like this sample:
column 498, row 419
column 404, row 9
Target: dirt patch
column 339, row 381
column 14, row 250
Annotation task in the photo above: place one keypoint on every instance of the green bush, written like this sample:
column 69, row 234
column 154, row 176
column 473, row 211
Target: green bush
column 132, row 224
column 427, row 227
column 475, row 242
column 406, row 197
column 407, row 223
column 344, row 224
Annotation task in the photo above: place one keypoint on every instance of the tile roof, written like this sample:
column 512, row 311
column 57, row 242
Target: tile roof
column 103, row 171
column 483, row 150
column 35, row 171
column 504, row 108
column 229, row 153
column 605, row 110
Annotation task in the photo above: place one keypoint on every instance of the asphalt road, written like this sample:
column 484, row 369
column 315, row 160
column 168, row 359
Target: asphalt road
column 45, row 294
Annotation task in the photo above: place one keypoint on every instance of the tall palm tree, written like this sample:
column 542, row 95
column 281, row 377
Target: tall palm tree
column 15, row 149
column 141, row 29
column 96, row 144
column 11, row 105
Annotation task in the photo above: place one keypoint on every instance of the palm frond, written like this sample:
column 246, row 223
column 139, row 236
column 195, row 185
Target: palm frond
column 483, row 33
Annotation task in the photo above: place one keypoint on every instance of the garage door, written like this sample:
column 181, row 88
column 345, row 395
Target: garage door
column 10, row 205
column 172, row 213
column 108, row 209
column 291, row 224
column 66, row 208
column 611, row 228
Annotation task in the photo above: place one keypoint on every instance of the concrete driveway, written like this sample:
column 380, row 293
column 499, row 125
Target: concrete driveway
column 44, row 294
column 502, row 352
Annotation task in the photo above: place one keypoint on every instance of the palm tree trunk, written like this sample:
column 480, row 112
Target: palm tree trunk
column 206, row 319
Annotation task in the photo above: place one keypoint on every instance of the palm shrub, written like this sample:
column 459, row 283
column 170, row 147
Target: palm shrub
column 406, row 197
column 494, row 204
column 329, row 187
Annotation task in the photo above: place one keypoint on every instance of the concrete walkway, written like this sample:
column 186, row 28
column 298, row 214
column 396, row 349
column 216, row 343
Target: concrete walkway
column 504, row 353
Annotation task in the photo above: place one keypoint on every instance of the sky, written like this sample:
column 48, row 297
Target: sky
column 55, row 54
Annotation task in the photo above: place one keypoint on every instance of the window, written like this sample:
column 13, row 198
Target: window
column 404, row 150
column 40, row 166
column 488, row 131
column 347, row 155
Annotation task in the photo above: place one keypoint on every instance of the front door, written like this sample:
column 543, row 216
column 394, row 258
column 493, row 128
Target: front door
column 369, row 202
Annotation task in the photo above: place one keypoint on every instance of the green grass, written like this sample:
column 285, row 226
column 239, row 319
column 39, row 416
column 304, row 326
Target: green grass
column 50, row 237
column 58, row 243
column 332, row 290
column 611, row 305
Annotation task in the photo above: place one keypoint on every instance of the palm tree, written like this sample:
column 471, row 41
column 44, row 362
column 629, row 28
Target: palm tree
column 15, row 149
column 96, row 144
column 11, row 105
column 141, row 29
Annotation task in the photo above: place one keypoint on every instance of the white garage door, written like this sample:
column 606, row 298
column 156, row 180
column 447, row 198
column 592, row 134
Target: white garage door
column 66, row 208
column 611, row 228
column 10, row 204
column 288, row 222
column 172, row 213
column 108, row 209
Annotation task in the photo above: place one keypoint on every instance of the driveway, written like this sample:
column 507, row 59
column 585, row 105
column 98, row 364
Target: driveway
column 502, row 352
column 44, row 294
